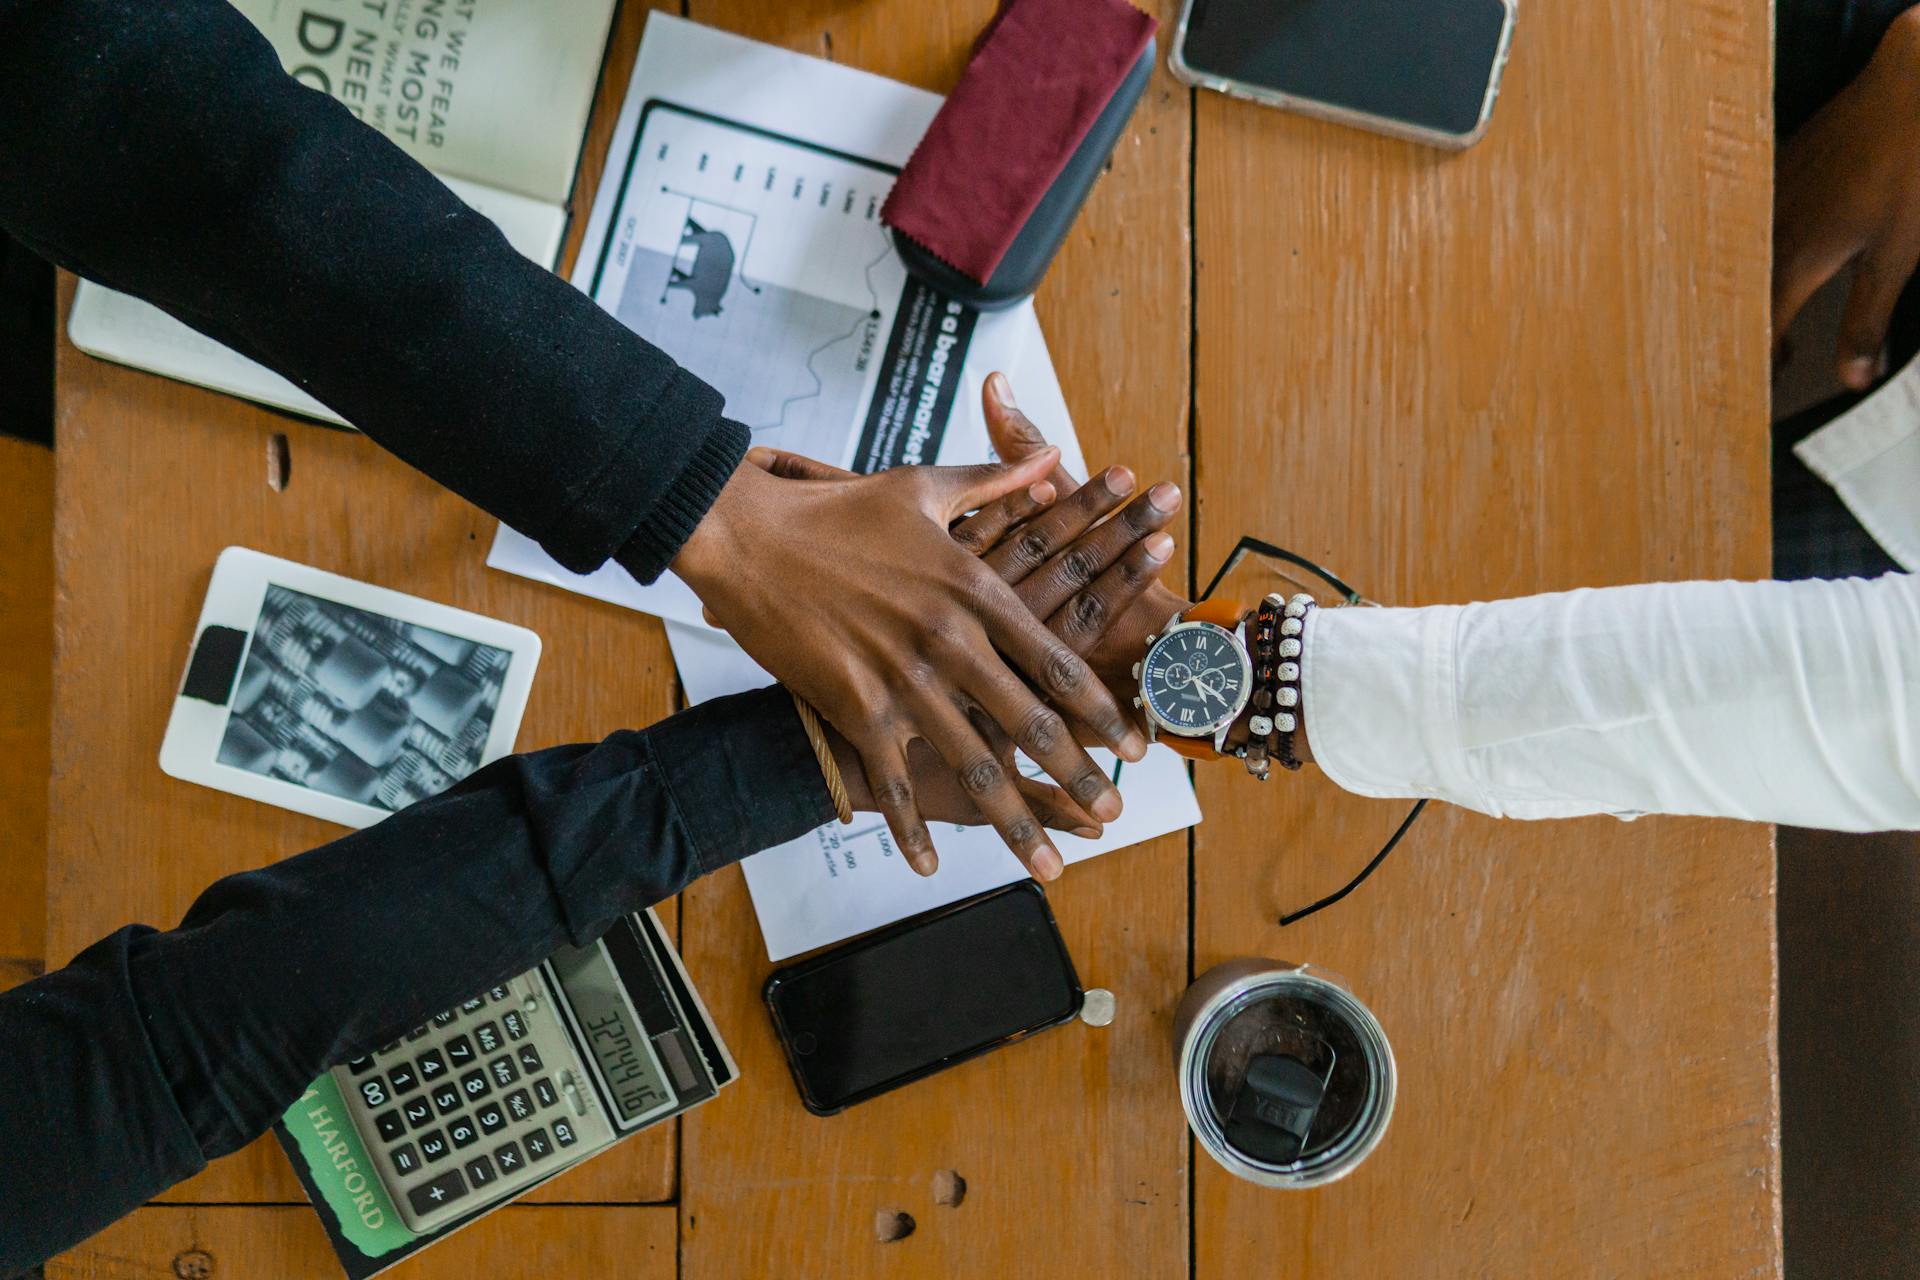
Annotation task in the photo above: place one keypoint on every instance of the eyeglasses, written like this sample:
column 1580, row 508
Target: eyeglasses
column 1298, row 574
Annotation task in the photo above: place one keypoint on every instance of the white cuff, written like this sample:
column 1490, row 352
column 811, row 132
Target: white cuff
column 1379, row 690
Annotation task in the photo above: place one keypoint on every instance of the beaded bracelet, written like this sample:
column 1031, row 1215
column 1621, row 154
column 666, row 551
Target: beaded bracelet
column 1265, row 637
column 1277, row 714
column 1286, row 717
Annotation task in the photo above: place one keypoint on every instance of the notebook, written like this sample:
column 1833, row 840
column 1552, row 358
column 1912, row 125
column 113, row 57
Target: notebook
column 493, row 98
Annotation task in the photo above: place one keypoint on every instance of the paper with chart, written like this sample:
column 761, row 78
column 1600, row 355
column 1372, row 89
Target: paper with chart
column 738, row 229
column 837, row 881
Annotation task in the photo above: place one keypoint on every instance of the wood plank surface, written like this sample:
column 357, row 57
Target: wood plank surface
column 1536, row 365
column 263, row 1242
column 26, row 678
column 1072, row 1146
column 143, row 454
column 155, row 479
column 1539, row 364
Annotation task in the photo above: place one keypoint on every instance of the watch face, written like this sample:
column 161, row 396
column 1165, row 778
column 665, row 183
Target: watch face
column 1195, row 680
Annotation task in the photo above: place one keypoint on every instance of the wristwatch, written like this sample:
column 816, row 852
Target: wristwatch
column 1196, row 678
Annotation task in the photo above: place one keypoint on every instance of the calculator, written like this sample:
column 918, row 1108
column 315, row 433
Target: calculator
column 534, row 1075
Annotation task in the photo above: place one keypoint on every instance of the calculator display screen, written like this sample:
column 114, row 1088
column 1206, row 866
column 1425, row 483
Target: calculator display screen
column 612, row 1031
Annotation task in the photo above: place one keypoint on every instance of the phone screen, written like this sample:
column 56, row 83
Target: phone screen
column 915, row 998
column 1421, row 62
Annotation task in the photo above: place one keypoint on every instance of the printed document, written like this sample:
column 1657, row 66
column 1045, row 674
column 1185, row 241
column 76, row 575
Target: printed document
column 737, row 228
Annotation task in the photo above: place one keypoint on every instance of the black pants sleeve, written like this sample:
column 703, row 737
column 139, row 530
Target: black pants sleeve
column 153, row 1053
column 159, row 148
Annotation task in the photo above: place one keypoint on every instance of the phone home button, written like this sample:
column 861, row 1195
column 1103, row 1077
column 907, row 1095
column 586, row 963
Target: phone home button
column 804, row 1043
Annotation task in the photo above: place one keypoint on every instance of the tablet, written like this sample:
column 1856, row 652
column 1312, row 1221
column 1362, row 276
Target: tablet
column 338, row 699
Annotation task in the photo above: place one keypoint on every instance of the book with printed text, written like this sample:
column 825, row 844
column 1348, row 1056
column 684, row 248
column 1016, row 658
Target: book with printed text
column 492, row 97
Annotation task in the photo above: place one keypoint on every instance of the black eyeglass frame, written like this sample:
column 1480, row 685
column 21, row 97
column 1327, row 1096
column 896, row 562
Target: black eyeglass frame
column 1348, row 596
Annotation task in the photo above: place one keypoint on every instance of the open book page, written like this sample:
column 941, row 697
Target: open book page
column 116, row 327
column 495, row 92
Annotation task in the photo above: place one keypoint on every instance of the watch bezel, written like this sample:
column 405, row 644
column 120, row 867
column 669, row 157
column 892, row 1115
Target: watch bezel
column 1212, row 728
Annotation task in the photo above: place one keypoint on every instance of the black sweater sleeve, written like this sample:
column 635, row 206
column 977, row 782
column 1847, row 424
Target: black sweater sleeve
column 160, row 149
column 152, row 1053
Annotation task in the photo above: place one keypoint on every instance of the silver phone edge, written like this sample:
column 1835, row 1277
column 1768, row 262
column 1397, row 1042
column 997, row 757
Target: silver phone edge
column 1332, row 114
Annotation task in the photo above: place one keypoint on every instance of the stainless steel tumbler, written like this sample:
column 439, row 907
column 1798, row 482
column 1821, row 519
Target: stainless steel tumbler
column 1286, row 1078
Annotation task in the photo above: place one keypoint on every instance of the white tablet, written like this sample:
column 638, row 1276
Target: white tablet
column 337, row 699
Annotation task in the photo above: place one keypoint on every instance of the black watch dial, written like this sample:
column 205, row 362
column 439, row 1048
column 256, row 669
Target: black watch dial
column 1195, row 680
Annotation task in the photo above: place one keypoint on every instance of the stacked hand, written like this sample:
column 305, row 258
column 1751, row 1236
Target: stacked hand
column 1849, row 192
column 1118, row 629
column 1066, row 565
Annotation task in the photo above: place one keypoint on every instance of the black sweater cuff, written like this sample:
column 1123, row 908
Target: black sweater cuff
column 736, row 801
column 685, row 502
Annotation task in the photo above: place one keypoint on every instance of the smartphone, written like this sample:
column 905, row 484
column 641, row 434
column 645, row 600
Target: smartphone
column 917, row 997
column 1425, row 70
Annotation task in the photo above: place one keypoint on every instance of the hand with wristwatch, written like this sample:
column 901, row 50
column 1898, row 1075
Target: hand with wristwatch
column 1213, row 679
column 1221, row 679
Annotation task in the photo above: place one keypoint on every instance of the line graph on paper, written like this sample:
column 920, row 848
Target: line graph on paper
column 759, row 263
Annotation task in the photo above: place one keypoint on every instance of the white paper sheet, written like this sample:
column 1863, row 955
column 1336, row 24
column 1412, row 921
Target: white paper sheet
column 738, row 229
column 834, row 882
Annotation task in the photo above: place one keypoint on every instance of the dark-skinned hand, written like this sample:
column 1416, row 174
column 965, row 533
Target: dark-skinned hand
column 1848, row 191
column 1123, row 641
column 1098, row 568
column 852, row 593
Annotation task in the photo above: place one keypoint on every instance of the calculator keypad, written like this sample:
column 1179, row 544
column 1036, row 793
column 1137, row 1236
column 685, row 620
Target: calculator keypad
column 470, row 1107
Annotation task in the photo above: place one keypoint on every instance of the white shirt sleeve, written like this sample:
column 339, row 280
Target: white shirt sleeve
column 1789, row 702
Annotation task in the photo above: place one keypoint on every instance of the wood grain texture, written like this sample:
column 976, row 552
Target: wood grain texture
column 1536, row 365
column 260, row 1242
column 156, row 479
column 1539, row 364
column 26, row 679
column 1072, row 1146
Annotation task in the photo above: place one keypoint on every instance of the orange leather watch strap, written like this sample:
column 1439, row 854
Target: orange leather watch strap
column 1192, row 748
column 1222, row 613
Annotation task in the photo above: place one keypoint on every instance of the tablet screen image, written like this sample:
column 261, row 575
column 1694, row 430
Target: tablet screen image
column 337, row 698
column 359, row 705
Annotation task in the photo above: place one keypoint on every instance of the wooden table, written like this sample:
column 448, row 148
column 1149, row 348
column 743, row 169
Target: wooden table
column 1539, row 364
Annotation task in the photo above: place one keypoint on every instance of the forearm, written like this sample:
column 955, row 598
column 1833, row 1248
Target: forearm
column 154, row 1052
column 1780, row 702
column 160, row 149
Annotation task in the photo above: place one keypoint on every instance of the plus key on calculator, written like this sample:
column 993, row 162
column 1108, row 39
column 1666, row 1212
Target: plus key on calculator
column 477, row 1104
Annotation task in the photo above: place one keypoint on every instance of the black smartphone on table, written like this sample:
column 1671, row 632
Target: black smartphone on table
column 1426, row 70
column 919, row 996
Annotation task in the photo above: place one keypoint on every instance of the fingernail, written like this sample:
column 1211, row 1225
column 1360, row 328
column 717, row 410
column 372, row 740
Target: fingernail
column 1133, row 748
column 1046, row 863
column 760, row 455
column 1164, row 497
column 1041, row 491
column 924, row 864
column 1002, row 390
column 1087, row 833
column 1119, row 481
column 1159, row 548
column 1108, row 806
column 1857, row 373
